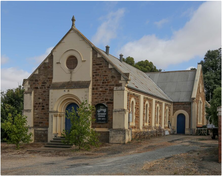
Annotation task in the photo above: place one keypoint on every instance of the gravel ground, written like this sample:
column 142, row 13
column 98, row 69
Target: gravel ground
column 174, row 154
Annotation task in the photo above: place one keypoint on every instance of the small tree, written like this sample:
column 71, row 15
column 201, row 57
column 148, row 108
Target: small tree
column 16, row 130
column 11, row 103
column 81, row 133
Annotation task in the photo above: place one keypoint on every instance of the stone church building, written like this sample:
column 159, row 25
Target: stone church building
column 129, row 103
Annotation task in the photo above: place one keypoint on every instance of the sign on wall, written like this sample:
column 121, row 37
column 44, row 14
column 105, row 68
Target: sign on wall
column 101, row 113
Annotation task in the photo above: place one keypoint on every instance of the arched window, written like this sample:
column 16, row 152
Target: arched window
column 132, row 111
column 200, row 112
column 147, row 113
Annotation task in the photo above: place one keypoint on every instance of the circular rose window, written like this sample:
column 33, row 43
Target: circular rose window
column 71, row 62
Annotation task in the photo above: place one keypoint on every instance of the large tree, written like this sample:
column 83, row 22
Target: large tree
column 145, row 66
column 214, row 104
column 211, row 72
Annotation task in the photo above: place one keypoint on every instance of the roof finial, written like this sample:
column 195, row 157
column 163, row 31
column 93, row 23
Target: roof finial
column 73, row 21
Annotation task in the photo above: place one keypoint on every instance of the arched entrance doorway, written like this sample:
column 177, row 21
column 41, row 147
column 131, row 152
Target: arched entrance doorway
column 69, row 109
column 181, row 124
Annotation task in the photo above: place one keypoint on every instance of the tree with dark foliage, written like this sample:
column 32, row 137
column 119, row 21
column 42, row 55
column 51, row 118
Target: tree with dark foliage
column 211, row 72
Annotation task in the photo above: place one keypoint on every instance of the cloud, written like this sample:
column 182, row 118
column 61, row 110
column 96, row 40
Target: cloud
column 40, row 58
column 160, row 23
column 189, row 12
column 4, row 59
column 108, row 29
column 12, row 77
column 190, row 67
column 200, row 34
column 147, row 21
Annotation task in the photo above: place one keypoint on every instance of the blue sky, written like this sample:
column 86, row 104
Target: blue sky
column 173, row 35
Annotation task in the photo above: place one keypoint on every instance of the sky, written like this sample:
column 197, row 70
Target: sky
column 173, row 35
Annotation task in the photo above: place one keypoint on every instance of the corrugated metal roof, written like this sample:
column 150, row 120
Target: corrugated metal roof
column 138, row 79
column 178, row 85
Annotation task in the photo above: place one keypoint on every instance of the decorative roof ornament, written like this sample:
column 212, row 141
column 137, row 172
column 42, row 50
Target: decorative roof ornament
column 73, row 21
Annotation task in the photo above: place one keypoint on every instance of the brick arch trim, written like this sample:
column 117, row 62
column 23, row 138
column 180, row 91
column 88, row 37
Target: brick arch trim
column 186, row 119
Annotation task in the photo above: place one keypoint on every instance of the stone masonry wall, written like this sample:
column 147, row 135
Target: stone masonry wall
column 104, row 79
column 137, row 109
column 169, row 112
column 41, row 83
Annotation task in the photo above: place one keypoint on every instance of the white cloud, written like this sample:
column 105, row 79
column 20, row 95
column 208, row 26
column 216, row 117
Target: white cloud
column 160, row 23
column 4, row 59
column 40, row 58
column 200, row 34
column 12, row 77
column 190, row 67
column 108, row 29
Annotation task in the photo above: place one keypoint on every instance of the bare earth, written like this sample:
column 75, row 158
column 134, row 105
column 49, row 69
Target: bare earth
column 168, row 155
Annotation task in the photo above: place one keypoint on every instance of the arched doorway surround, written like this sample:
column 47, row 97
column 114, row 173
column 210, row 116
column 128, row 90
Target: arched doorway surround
column 58, row 122
column 187, row 121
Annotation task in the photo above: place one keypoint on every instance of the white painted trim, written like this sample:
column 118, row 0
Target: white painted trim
column 196, row 81
column 157, row 115
column 101, row 129
column 153, row 112
column 163, row 112
column 141, row 112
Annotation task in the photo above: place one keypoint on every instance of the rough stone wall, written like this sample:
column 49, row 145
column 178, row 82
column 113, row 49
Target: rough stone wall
column 137, row 109
column 149, row 126
column 200, row 94
column 169, row 112
column 103, row 136
column 40, row 135
column 160, row 114
column 147, row 134
column 104, row 79
column 40, row 83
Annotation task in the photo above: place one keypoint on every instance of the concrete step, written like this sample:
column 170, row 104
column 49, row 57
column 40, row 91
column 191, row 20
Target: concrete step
column 58, row 146
column 56, row 143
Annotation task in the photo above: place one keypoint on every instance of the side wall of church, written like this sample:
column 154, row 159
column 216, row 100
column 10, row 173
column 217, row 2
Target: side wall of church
column 150, row 129
column 104, row 79
column 40, row 84
column 200, row 96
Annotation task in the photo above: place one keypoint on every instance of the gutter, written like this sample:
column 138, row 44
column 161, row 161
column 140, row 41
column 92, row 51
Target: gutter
column 149, row 94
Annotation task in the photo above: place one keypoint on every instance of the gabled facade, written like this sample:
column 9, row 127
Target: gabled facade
column 130, row 104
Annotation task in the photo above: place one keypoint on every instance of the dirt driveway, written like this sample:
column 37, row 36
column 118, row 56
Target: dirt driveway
column 168, row 155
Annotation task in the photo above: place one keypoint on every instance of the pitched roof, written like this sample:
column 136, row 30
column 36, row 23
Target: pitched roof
column 178, row 85
column 138, row 79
